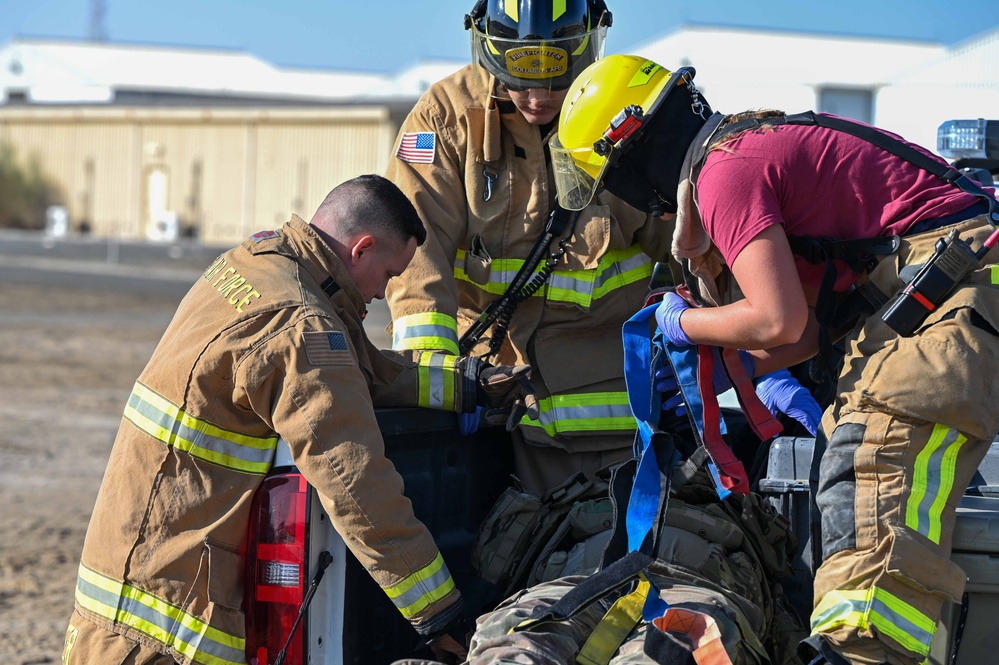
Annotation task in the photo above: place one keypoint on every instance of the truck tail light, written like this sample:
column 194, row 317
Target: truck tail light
column 276, row 569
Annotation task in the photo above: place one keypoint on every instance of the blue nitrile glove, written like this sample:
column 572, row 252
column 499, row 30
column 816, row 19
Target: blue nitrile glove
column 779, row 391
column 668, row 317
column 468, row 423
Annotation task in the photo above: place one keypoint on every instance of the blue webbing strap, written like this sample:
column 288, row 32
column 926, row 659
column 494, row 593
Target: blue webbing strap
column 647, row 489
column 643, row 503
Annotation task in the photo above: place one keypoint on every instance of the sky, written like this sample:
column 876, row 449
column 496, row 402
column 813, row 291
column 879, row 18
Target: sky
column 389, row 35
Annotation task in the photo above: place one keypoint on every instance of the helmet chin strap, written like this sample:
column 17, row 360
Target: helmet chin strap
column 660, row 205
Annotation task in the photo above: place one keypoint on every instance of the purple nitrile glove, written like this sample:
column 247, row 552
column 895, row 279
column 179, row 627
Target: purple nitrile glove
column 779, row 391
column 720, row 376
column 668, row 317
column 666, row 383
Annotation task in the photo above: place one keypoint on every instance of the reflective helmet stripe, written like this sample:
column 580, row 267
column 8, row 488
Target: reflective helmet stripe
column 558, row 8
column 512, row 10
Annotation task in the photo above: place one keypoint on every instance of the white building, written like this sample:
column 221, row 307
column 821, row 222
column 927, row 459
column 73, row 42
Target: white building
column 227, row 144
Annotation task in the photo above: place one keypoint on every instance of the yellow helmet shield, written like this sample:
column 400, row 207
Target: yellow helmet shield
column 604, row 110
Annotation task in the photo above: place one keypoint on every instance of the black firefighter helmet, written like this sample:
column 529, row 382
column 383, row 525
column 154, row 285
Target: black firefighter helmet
column 529, row 44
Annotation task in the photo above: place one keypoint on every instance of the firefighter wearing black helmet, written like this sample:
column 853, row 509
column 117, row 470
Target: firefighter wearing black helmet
column 473, row 158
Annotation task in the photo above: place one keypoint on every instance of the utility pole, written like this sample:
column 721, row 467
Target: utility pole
column 97, row 31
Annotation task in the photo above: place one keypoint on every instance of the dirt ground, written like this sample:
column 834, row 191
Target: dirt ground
column 69, row 356
column 68, row 359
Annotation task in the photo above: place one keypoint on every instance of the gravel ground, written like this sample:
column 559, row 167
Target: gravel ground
column 69, row 354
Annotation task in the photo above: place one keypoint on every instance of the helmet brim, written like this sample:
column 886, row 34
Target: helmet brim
column 528, row 64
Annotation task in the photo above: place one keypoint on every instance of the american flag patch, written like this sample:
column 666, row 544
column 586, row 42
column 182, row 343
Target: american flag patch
column 327, row 348
column 417, row 147
column 263, row 235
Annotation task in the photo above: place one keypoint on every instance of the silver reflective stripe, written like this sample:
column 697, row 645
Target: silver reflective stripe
column 618, row 269
column 413, row 332
column 933, row 481
column 166, row 422
column 426, row 331
column 584, row 412
column 436, row 375
column 863, row 608
column 418, row 591
column 159, row 620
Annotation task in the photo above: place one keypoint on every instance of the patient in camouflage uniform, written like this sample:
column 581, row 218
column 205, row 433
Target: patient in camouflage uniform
column 721, row 558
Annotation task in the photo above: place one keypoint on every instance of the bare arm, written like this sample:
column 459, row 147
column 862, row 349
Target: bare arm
column 773, row 319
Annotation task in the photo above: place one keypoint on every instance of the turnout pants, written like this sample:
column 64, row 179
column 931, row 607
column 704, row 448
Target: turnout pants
column 913, row 419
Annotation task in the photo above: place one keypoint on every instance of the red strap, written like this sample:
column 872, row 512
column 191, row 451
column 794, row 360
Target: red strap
column 760, row 419
column 730, row 470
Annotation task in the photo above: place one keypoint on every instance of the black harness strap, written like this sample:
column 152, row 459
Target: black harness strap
column 500, row 311
column 860, row 254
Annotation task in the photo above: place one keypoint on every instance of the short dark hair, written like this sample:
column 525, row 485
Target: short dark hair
column 373, row 203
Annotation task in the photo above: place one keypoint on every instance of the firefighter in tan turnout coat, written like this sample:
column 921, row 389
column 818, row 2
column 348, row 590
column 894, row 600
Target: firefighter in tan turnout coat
column 268, row 345
column 473, row 158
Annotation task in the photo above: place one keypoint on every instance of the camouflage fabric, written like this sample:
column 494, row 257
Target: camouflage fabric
column 720, row 558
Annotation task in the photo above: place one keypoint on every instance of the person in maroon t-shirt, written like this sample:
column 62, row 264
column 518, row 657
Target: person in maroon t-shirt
column 913, row 415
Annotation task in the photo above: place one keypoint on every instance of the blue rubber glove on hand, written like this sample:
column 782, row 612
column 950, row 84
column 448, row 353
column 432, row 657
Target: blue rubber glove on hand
column 779, row 391
column 468, row 423
column 668, row 317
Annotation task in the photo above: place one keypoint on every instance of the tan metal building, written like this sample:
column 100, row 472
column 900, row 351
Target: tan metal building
column 158, row 143
column 221, row 173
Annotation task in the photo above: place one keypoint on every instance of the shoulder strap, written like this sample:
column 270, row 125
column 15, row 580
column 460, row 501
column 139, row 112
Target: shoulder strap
column 887, row 143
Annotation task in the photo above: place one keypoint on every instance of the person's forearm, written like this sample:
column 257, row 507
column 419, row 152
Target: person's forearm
column 739, row 326
column 786, row 355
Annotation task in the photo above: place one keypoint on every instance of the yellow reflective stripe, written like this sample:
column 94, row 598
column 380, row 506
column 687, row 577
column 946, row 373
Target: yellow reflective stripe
column 608, row 635
column 425, row 331
column 583, row 45
column 435, row 376
column 621, row 268
column 172, row 426
column 124, row 604
column 512, row 9
column 558, row 8
column 417, row 591
column 933, row 481
column 864, row 608
column 994, row 272
column 582, row 412
column 616, row 269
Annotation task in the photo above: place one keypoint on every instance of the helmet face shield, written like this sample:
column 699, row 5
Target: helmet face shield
column 575, row 185
column 605, row 114
column 532, row 64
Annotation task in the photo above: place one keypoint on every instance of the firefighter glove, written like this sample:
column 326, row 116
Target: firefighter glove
column 779, row 391
column 506, row 393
